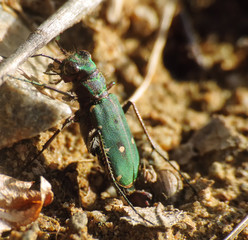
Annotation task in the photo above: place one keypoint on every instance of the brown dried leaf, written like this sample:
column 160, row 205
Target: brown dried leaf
column 157, row 215
column 19, row 205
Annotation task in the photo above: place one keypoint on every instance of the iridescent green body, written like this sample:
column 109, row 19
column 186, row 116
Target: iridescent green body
column 117, row 139
column 102, row 120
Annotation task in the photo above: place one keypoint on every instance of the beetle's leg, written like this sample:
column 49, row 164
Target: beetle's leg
column 92, row 142
column 154, row 146
column 88, row 132
column 66, row 123
column 110, row 85
column 104, row 158
column 44, row 86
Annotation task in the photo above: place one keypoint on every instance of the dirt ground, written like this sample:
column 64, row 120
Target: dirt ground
column 195, row 109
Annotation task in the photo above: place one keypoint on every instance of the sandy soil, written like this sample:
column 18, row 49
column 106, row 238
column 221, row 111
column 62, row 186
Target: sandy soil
column 195, row 109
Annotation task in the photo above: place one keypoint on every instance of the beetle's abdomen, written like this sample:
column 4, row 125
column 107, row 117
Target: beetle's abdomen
column 117, row 139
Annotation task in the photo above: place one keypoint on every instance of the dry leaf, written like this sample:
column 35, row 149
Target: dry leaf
column 19, row 205
column 157, row 215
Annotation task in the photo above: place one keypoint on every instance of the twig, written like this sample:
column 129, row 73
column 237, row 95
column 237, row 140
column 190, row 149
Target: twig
column 70, row 13
column 193, row 43
column 114, row 11
column 168, row 14
column 236, row 231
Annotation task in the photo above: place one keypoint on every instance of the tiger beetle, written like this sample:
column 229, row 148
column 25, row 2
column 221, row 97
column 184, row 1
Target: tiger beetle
column 102, row 120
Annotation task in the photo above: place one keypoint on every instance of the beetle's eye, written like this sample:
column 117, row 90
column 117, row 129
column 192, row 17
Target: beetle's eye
column 85, row 54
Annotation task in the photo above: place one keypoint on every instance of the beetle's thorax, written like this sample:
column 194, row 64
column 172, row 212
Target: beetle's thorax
column 92, row 86
column 79, row 69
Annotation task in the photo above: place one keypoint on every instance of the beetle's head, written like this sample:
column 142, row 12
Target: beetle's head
column 76, row 64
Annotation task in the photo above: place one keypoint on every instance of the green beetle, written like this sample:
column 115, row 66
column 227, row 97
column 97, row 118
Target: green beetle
column 102, row 121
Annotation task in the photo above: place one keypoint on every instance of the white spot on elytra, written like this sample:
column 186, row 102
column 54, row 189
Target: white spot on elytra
column 132, row 140
column 121, row 149
column 92, row 107
column 119, row 178
column 106, row 150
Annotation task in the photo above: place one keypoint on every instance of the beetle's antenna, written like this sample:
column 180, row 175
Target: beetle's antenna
column 43, row 55
column 61, row 48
